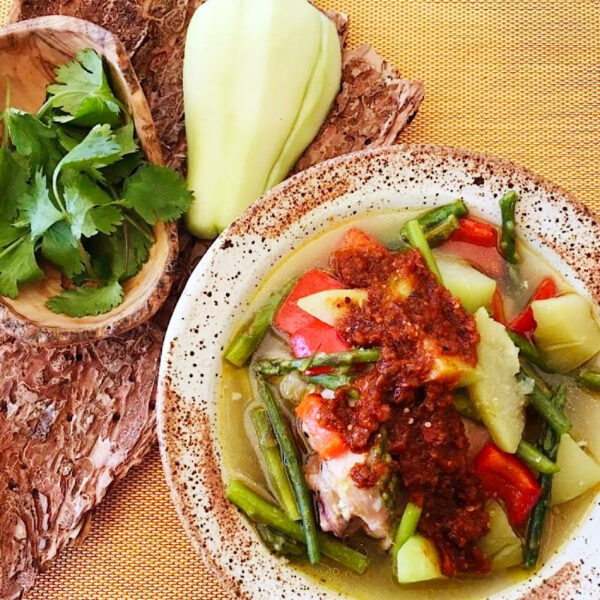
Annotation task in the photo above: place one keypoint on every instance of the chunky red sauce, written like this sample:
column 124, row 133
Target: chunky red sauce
column 425, row 435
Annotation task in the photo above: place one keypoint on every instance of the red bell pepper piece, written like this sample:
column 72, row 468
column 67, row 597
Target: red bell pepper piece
column 525, row 322
column 484, row 258
column 327, row 443
column 307, row 333
column 498, row 307
column 474, row 232
column 507, row 478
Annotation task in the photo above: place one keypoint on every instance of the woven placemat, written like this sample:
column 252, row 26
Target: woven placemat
column 517, row 79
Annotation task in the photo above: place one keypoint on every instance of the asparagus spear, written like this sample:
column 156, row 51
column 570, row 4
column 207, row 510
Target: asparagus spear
column 293, row 466
column 280, row 544
column 528, row 350
column 536, row 459
column 259, row 510
column 445, row 216
column 248, row 340
column 417, row 240
column 330, row 381
column 407, row 526
column 440, row 233
column 548, row 443
column 543, row 404
column 281, row 366
column 589, row 378
column 272, row 460
column 508, row 238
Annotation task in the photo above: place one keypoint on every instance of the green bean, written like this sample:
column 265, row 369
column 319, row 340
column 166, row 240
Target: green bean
column 272, row 460
column 417, row 240
column 440, row 233
column 281, row 366
column 294, row 469
column 259, row 510
column 548, row 443
column 536, row 459
column 407, row 526
column 548, row 410
column 245, row 343
column 509, row 227
column 464, row 406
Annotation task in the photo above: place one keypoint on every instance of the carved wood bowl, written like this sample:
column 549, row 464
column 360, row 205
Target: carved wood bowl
column 29, row 53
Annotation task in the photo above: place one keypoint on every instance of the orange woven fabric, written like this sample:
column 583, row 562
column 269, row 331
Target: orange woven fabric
column 518, row 79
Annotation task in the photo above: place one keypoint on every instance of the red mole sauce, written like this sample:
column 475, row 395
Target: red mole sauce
column 425, row 435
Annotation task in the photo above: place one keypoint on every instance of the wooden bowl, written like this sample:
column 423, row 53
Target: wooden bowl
column 29, row 53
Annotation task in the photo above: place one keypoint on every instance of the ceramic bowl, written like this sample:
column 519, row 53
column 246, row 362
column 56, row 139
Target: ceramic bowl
column 556, row 225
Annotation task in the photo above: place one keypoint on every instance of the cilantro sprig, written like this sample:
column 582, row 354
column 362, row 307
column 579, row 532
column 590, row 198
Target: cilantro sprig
column 77, row 192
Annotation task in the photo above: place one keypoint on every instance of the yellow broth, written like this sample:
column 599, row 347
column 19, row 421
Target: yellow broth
column 241, row 458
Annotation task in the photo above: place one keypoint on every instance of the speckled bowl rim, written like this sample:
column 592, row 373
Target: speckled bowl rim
column 556, row 224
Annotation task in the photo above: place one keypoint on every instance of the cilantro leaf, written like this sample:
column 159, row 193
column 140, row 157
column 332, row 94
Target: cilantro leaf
column 82, row 91
column 13, row 184
column 89, row 208
column 95, row 151
column 87, row 301
column 156, row 194
column 33, row 139
column 38, row 207
column 122, row 254
column 60, row 248
column 9, row 234
column 18, row 265
column 124, row 137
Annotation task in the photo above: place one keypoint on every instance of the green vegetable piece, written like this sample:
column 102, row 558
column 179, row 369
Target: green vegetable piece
column 509, row 227
column 501, row 544
column 256, row 127
column 464, row 406
column 244, row 344
column 470, row 286
column 281, row 366
column 37, row 206
column 579, row 472
column 543, row 404
column 407, row 527
column 293, row 465
column 536, row 459
column 418, row 560
column 60, row 248
column 259, row 510
column 495, row 392
column 567, row 334
column 275, row 471
column 18, row 265
column 589, row 378
column 417, row 240
column 548, row 443
column 156, row 194
column 83, row 92
column 13, row 183
column 33, row 139
column 87, row 301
